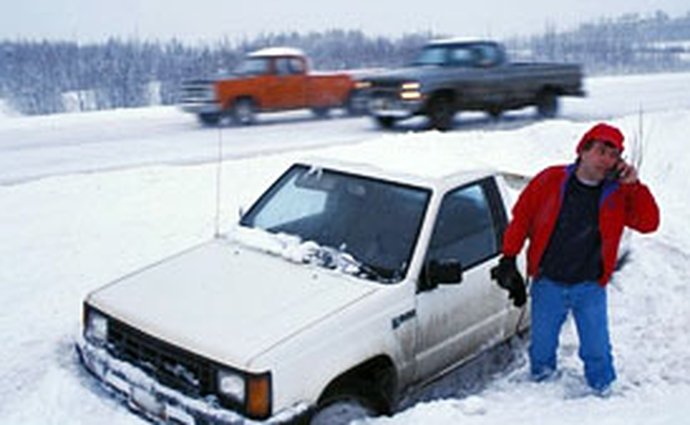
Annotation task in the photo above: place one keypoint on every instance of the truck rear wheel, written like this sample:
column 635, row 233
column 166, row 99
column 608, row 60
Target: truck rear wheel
column 385, row 122
column 495, row 112
column 441, row 113
column 320, row 112
column 209, row 118
column 243, row 112
column 356, row 104
column 547, row 104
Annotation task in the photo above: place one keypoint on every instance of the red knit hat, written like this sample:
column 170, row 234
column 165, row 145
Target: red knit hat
column 604, row 133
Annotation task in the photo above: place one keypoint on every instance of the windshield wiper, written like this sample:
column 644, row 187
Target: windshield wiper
column 333, row 258
column 380, row 274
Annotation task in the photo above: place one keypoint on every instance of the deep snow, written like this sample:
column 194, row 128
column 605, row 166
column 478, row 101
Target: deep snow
column 67, row 234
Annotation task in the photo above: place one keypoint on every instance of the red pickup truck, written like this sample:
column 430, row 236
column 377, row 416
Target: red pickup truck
column 271, row 79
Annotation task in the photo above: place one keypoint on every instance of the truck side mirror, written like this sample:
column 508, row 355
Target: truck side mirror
column 447, row 271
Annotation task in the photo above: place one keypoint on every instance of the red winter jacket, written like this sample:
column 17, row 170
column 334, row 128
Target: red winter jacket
column 537, row 208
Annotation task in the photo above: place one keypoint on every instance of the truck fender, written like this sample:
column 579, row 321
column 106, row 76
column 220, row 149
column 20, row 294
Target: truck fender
column 374, row 381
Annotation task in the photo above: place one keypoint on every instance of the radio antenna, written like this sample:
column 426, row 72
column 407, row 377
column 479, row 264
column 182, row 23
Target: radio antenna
column 219, row 173
column 639, row 145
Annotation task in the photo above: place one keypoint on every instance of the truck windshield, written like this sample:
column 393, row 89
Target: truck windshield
column 431, row 56
column 374, row 222
column 455, row 55
column 253, row 66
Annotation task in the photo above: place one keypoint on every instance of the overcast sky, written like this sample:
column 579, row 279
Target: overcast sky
column 210, row 20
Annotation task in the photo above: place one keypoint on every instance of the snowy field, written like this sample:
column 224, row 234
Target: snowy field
column 87, row 220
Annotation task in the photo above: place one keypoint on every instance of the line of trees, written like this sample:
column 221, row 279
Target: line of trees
column 630, row 43
column 49, row 77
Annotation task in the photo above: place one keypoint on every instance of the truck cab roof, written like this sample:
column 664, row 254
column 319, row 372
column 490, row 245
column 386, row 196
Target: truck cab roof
column 276, row 52
column 458, row 41
column 439, row 178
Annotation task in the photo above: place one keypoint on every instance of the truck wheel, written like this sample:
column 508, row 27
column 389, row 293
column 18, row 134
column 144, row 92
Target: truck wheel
column 243, row 112
column 547, row 104
column 342, row 411
column 495, row 112
column 320, row 112
column 356, row 104
column 209, row 118
column 385, row 122
column 441, row 113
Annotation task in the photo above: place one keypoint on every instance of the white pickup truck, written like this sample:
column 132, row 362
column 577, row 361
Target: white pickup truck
column 343, row 289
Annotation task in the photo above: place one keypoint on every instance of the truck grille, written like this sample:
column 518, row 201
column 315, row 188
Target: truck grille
column 172, row 366
column 386, row 84
column 385, row 94
column 196, row 91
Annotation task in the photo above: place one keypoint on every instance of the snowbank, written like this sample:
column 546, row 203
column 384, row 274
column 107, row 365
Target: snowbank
column 5, row 110
column 64, row 236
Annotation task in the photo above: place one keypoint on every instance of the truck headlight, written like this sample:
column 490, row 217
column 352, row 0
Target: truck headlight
column 411, row 86
column 410, row 95
column 252, row 391
column 96, row 327
column 231, row 385
column 411, row 90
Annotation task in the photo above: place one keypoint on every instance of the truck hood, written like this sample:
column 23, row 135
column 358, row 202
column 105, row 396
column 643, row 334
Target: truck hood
column 415, row 73
column 227, row 302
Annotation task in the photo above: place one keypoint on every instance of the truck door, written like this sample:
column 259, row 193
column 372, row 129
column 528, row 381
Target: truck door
column 457, row 321
column 288, row 88
column 487, row 85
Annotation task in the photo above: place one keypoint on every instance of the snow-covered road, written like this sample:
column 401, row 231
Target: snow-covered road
column 52, row 145
column 43, row 146
column 69, row 232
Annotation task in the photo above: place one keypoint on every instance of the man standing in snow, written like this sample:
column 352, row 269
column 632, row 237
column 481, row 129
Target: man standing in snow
column 573, row 216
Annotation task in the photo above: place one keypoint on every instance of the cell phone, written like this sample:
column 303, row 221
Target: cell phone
column 613, row 174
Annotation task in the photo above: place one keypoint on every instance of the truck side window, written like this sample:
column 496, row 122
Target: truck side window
column 487, row 55
column 296, row 66
column 465, row 228
column 462, row 56
column 282, row 66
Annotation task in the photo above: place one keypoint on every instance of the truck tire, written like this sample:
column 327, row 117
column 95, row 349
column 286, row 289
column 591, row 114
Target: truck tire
column 321, row 112
column 342, row 411
column 244, row 111
column 209, row 119
column 495, row 112
column 547, row 104
column 356, row 104
column 385, row 122
column 440, row 113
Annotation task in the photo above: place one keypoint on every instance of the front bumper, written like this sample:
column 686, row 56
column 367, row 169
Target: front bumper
column 200, row 107
column 141, row 393
column 394, row 107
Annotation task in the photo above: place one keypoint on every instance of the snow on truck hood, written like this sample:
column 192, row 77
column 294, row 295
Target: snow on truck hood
column 227, row 301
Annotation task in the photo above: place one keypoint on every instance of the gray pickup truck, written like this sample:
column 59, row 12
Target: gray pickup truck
column 450, row 76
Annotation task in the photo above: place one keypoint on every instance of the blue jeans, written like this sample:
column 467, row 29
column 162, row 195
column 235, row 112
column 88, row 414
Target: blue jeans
column 551, row 302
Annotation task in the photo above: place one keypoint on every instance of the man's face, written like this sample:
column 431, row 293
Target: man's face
column 598, row 159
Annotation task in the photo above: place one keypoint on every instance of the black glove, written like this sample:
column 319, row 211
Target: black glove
column 509, row 278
